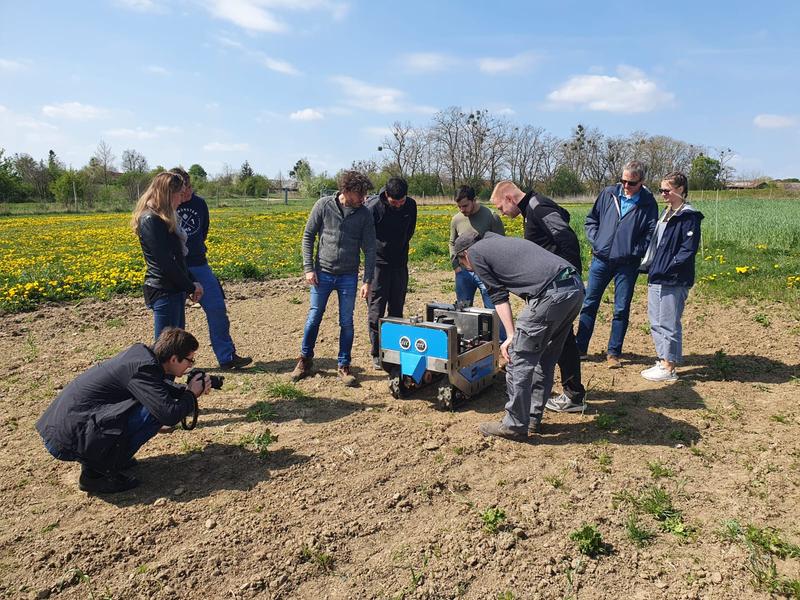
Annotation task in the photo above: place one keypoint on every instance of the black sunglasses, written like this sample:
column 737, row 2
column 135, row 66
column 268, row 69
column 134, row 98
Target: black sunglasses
column 629, row 182
column 664, row 191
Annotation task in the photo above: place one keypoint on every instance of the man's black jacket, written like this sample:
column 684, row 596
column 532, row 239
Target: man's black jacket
column 547, row 224
column 89, row 417
column 394, row 228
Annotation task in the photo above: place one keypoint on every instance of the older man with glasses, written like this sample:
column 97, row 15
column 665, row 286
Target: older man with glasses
column 619, row 228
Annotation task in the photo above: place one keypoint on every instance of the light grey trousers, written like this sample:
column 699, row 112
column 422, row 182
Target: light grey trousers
column 539, row 335
column 665, row 305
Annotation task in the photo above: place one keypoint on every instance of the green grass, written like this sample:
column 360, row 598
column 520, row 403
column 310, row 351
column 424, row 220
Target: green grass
column 658, row 470
column 493, row 519
column 750, row 249
column 636, row 533
column 260, row 411
column 260, row 441
column 589, row 541
column 285, row 391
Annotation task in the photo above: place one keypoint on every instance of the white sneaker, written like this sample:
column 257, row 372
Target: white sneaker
column 562, row 403
column 659, row 373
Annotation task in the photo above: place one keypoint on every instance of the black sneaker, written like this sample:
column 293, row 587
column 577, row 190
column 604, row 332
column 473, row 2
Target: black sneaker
column 237, row 362
column 100, row 483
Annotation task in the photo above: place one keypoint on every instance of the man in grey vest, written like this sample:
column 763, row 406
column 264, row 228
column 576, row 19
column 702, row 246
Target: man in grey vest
column 553, row 292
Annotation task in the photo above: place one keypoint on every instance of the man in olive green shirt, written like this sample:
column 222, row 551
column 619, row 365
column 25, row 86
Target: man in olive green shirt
column 471, row 216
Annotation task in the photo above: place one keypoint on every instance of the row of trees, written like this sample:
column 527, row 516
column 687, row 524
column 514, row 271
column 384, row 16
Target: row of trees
column 23, row 178
column 457, row 147
column 480, row 148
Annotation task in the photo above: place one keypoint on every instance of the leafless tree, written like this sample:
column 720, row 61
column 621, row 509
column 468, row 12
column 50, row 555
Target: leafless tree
column 133, row 162
column 104, row 158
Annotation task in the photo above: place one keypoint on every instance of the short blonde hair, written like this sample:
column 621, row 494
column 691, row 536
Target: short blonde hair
column 502, row 188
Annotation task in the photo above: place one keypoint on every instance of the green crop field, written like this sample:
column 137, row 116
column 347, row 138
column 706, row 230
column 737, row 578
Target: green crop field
column 750, row 248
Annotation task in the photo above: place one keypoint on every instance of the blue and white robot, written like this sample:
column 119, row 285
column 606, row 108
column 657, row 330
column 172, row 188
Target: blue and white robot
column 461, row 343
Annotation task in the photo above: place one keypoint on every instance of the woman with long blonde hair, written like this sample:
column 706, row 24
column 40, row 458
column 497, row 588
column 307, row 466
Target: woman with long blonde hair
column 167, row 281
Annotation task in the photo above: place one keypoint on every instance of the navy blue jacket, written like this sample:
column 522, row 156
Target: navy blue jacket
column 194, row 219
column 625, row 240
column 89, row 418
column 673, row 256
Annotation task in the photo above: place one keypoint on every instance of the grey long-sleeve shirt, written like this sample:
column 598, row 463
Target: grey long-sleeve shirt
column 514, row 265
column 343, row 233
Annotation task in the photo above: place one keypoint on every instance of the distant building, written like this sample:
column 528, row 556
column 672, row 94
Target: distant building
column 751, row 184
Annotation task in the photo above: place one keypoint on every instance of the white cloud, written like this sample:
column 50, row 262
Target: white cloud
column 132, row 134
column 629, row 92
column 74, row 111
column 428, row 62
column 259, row 15
column 212, row 105
column 223, row 147
column 505, row 111
column 767, row 121
column 11, row 66
column 307, row 114
column 156, row 70
column 140, row 5
column 363, row 95
column 247, row 14
column 140, row 133
column 279, row 66
column 511, row 64
column 380, row 132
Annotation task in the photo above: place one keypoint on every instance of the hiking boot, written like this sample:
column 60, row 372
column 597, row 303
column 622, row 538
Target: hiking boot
column 495, row 429
column 613, row 362
column 101, row 483
column 302, row 368
column 236, row 362
column 377, row 363
column 535, row 426
column 660, row 373
column 346, row 376
column 563, row 403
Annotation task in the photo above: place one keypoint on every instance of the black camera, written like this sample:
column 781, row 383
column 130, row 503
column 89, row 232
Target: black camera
column 216, row 380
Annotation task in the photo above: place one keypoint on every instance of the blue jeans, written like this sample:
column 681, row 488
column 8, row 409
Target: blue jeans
column 141, row 427
column 213, row 303
column 600, row 275
column 169, row 311
column 664, row 308
column 466, row 285
column 345, row 286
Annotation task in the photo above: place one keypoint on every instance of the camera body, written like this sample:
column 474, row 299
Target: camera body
column 216, row 380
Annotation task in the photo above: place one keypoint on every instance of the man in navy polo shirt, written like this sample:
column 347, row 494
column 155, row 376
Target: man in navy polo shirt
column 193, row 214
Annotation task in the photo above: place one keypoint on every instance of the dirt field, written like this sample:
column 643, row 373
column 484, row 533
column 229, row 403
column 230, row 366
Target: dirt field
column 364, row 496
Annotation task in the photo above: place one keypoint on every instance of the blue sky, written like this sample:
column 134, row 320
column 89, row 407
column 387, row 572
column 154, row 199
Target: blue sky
column 217, row 82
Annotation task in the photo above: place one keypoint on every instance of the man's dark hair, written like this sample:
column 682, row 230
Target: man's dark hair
column 396, row 188
column 184, row 175
column 465, row 192
column 174, row 341
column 353, row 181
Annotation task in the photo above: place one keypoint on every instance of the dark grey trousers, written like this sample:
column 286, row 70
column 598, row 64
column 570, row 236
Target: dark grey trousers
column 389, row 287
column 541, row 329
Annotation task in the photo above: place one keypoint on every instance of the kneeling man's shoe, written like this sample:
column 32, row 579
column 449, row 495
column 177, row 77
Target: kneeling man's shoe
column 495, row 429
column 101, row 483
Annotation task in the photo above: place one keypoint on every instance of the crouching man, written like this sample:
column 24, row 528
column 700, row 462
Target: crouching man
column 107, row 413
column 552, row 291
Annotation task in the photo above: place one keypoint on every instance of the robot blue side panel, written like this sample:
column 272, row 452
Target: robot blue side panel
column 478, row 370
column 415, row 344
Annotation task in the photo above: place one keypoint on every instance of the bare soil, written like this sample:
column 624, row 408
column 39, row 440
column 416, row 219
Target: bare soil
column 364, row 496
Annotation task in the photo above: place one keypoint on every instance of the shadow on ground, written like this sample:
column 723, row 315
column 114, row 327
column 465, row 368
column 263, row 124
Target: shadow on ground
column 216, row 467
